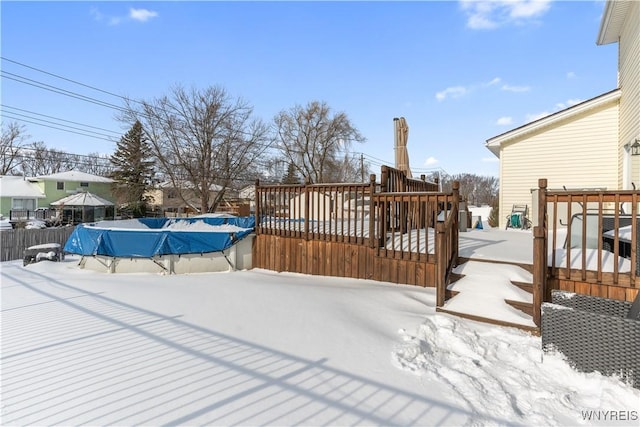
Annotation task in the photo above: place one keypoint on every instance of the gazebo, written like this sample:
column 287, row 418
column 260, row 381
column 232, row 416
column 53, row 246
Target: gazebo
column 84, row 207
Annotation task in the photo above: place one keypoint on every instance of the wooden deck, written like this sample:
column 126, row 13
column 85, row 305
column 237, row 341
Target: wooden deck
column 400, row 230
column 404, row 231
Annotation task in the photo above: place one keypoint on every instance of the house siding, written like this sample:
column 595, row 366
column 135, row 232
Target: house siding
column 629, row 83
column 580, row 152
column 48, row 187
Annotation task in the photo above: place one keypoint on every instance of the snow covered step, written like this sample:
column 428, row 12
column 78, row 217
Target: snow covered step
column 531, row 329
column 525, row 286
column 525, row 307
column 497, row 293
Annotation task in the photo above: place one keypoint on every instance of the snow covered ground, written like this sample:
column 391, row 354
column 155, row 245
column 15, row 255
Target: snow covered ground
column 264, row 348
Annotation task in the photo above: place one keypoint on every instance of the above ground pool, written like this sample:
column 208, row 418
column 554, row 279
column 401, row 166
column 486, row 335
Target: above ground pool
column 173, row 245
column 148, row 237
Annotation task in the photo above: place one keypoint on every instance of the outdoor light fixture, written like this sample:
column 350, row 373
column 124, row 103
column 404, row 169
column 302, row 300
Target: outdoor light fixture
column 635, row 148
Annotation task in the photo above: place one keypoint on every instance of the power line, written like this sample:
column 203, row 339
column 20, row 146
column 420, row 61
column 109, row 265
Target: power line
column 64, row 78
column 57, row 118
column 41, row 85
column 57, row 128
column 41, row 121
column 21, row 79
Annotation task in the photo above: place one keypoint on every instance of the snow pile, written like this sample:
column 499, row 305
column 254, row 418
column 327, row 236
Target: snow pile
column 499, row 374
column 201, row 226
column 120, row 224
column 35, row 224
column 215, row 215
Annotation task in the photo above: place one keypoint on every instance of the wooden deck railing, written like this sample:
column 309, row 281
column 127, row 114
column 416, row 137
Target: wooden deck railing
column 407, row 222
column 587, row 242
column 416, row 226
column 395, row 181
column 330, row 212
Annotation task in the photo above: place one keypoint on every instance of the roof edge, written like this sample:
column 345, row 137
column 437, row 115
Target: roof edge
column 613, row 17
column 494, row 143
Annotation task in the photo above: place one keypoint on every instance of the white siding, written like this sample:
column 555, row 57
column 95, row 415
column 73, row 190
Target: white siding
column 580, row 152
column 629, row 83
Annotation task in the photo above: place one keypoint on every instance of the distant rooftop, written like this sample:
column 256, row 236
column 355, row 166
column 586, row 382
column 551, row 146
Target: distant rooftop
column 74, row 176
column 17, row 186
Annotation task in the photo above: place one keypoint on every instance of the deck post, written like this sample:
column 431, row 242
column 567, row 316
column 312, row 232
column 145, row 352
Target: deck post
column 441, row 263
column 542, row 222
column 256, row 195
column 542, row 203
column 539, row 272
column 456, row 216
column 384, row 179
column 307, row 183
column 372, row 211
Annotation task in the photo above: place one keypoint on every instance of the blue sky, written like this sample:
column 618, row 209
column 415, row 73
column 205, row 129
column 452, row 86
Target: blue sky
column 459, row 72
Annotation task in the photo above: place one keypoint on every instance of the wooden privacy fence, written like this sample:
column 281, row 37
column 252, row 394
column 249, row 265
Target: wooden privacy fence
column 587, row 242
column 359, row 230
column 14, row 242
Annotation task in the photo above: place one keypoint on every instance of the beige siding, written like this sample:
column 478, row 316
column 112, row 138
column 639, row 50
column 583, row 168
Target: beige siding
column 581, row 152
column 629, row 83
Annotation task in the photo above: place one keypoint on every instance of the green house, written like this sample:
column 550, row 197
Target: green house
column 22, row 194
column 59, row 185
column 19, row 193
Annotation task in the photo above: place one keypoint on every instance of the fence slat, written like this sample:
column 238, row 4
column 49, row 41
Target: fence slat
column 14, row 242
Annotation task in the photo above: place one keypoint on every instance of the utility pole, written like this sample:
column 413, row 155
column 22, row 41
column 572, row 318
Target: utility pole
column 361, row 167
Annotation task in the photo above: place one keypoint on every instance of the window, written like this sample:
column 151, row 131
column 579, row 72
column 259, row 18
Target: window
column 23, row 204
column 60, row 185
column 84, row 184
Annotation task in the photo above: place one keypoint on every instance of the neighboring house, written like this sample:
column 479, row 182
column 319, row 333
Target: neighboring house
column 59, row 185
column 19, row 193
column 248, row 195
column 588, row 145
column 167, row 198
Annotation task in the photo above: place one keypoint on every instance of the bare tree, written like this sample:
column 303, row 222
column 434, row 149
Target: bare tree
column 38, row 159
column 203, row 140
column 94, row 163
column 11, row 144
column 475, row 189
column 313, row 139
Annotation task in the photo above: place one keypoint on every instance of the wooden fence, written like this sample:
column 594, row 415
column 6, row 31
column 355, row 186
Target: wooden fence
column 14, row 242
column 359, row 230
column 587, row 242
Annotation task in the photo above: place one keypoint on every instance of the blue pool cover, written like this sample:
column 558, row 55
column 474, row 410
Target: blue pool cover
column 156, row 240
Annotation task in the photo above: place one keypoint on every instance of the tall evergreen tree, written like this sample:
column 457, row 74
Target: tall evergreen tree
column 133, row 170
column 292, row 176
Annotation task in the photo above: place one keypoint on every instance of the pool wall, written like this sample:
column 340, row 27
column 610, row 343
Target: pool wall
column 237, row 257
